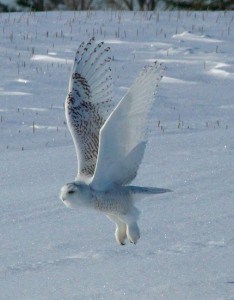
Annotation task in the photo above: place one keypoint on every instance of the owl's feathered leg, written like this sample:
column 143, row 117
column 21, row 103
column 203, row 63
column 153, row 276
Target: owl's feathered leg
column 132, row 230
column 121, row 229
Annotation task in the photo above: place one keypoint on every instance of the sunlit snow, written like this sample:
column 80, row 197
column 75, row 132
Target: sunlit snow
column 186, row 249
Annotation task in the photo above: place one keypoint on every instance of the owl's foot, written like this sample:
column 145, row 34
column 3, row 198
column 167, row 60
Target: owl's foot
column 133, row 232
column 120, row 233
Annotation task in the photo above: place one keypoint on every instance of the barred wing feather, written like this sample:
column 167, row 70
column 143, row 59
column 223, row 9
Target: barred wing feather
column 89, row 103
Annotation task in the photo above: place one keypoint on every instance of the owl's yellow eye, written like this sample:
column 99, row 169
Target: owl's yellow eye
column 71, row 192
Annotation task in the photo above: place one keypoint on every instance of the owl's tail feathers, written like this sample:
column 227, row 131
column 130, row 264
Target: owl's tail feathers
column 140, row 192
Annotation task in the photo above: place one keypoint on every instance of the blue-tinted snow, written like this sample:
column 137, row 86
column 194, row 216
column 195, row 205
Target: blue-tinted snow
column 187, row 244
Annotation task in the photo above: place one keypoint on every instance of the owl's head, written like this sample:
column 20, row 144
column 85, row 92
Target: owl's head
column 74, row 194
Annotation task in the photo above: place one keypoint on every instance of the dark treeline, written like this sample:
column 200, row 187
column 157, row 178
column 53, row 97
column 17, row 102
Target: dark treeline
column 41, row 5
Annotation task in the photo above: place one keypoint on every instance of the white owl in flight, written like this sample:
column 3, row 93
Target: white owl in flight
column 110, row 141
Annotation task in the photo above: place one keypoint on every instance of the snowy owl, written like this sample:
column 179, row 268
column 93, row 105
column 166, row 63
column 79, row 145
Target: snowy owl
column 109, row 141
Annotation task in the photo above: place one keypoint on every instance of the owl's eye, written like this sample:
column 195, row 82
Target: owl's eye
column 71, row 192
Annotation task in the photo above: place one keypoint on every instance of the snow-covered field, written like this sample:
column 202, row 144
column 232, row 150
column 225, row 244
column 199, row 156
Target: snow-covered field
column 186, row 248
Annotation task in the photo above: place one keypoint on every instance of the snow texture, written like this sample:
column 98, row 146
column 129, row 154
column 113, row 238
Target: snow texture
column 187, row 245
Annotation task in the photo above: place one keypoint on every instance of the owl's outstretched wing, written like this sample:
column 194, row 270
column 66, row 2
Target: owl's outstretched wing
column 88, row 103
column 124, row 135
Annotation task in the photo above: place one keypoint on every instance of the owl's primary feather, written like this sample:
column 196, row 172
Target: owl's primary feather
column 110, row 142
column 124, row 135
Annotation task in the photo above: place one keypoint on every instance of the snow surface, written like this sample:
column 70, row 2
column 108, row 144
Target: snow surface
column 186, row 248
